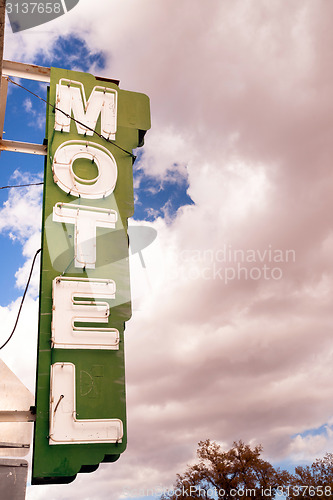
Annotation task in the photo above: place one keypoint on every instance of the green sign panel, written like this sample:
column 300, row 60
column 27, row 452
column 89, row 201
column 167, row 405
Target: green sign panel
column 85, row 290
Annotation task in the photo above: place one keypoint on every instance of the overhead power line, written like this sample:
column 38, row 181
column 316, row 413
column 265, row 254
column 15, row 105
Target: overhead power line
column 22, row 185
column 72, row 118
column 25, row 292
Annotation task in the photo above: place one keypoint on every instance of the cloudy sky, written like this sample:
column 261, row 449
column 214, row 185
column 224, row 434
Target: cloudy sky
column 231, row 332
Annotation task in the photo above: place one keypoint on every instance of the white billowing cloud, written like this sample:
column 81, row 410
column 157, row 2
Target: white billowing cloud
column 234, row 341
column 165, row 155
column 20, row 352
column 30, row 248
column 20, row 218
column 27, row 104
column 21, row 214
column 304, row 448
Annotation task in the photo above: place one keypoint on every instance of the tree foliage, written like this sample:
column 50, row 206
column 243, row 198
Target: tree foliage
column 240, row 473
column 235, row 474
column 313, row 482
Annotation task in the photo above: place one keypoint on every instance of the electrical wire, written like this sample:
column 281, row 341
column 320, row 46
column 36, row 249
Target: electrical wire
column 72, row 118
column 40, row 183
column 25, row 292
column 22, row 185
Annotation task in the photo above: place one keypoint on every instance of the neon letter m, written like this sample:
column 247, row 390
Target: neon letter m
column 71, row 99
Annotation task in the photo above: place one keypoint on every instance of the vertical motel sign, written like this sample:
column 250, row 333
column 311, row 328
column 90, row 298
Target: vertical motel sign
column 85, row 289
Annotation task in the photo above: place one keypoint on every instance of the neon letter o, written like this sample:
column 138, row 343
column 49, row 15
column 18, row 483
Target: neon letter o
column 63, row 175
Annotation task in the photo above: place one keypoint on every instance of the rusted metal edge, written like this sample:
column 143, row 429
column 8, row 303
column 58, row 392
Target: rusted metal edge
column 23, row 147
column 17, row 416
column 28, row 71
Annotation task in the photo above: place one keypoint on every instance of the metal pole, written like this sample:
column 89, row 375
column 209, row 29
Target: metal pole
column 3, row 84
column 13, row 473
column 2, row 29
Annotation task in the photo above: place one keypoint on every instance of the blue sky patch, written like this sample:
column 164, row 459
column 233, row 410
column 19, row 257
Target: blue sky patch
column 155, row 197
column 72, row 53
